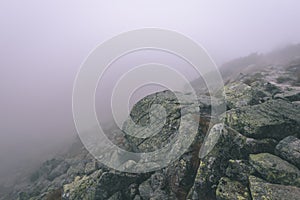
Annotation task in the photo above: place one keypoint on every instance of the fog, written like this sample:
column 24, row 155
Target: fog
column 43, row 43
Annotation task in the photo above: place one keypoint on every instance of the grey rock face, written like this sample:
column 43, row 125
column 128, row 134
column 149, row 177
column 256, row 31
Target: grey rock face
column 289, row 149
column 257, row 127
column 239, row 170
column 261, row 190
column 272, row 119
column 275, row 170
column 228, row 190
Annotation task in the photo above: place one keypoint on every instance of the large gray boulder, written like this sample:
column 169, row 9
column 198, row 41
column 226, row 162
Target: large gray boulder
column 275, row 170
column 272, row 119
column 261, row 190
column 289, row 149
column 228, row 189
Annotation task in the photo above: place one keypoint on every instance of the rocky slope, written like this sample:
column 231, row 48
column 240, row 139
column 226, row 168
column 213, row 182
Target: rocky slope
column 252, row 151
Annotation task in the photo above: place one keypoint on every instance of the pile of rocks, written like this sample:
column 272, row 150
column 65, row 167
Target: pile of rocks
column 251, row 152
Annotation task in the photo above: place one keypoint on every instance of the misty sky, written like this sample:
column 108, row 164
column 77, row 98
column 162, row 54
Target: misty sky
column 43, row 43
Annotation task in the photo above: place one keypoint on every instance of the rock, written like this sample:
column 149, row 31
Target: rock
column 220, row 145
column 261, row 190
column 90, row 167
column 289, row 149
column 59, row 170
column 239, row 170
column 273, row 119
column 111, row 182
column 76, row 169
column 156, row 187
column 290, row 95
column 131, row 192
column 82, row 187
column 116, row 196
column 181, row 174
column 260, row 145
column 145, row 189
column 228, row 190
column 159, row 195
column 275, row 170
column 140, row 114
column 238, row 95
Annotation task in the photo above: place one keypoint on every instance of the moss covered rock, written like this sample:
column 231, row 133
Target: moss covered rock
column 289, row 149
column 261, row 190
column 275, row 170
column 273, row 119
column 229, row 190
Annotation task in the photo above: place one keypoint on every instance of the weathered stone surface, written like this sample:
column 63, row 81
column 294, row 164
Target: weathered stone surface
column 100, row 185
column 140, row 114
column 156, row 188
column 292, row 95
column 275, row 170
column 239, row 94
column 82, row 187
column 261, row 190
column 228, row 190
column 220, row 145
column 239, row 170
column 272, row 119
column 289, row 149
column 90, row 167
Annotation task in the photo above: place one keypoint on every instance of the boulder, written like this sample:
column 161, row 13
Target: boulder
column 275, row 170
column 289, row 149
column 261, row 190
column 239, row 170
column 228, row 190
column 272, row 119
column 221, row 144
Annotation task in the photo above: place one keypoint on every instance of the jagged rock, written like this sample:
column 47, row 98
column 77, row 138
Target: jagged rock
column 239, row 170
column 90, row 167
column 111, row 182
column 261, row 190
column 145, row 189
column 59, row 170
column 239, row 94
column 140, row 115
column 156, row 187
column 272, row 119
column 289, row 149
column 220, row 145
column 76, row 169
column 260, row 145
column 228, row 190
column 82, row 187
column 116, row 196
column 181, row 174
column 275, row 170
column 131, row 192
column 291, row 95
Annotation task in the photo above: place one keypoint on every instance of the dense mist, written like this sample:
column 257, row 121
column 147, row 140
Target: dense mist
column 43, row 43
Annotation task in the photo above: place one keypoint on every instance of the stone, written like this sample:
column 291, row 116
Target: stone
column 221, row 144
column 228, row 190
column 292, row 95
column 239, row 170
column 272, row 119
column 238, row 95
column 289, row 149
column 275, row 170
column 261, row 190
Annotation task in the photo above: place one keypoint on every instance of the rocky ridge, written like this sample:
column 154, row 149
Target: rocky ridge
column 252, row 151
